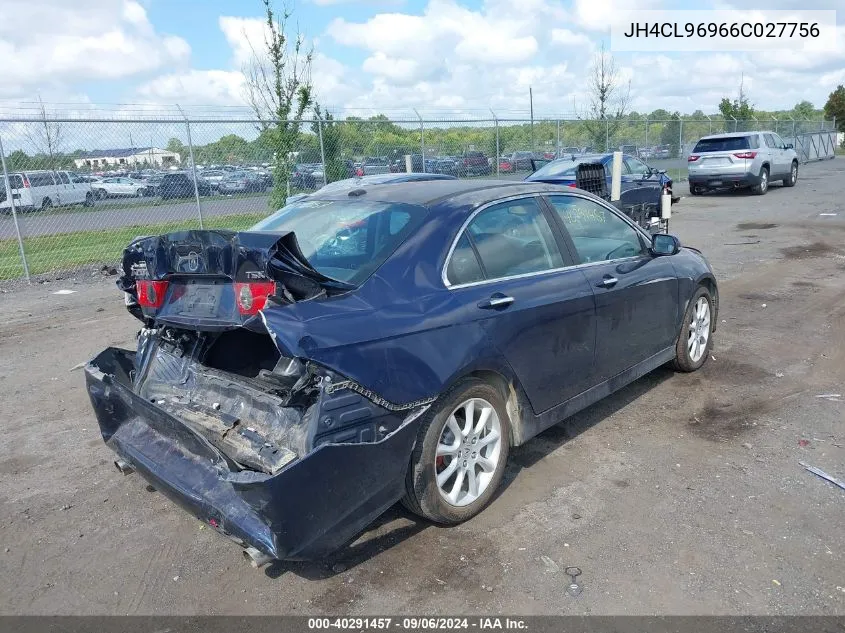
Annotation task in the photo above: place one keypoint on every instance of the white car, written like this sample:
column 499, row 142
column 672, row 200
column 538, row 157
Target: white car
column 40, row 189
column 119, row 187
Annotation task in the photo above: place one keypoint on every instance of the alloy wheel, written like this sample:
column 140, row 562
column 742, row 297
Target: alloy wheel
column 468, row 452
column 699, row 330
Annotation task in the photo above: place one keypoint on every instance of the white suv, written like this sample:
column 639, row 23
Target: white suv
column 44, row 189
column 744, row 159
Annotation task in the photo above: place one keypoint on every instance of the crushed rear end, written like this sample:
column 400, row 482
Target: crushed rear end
column 287, row 457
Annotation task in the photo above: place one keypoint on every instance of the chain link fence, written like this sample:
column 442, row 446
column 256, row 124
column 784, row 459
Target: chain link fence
column 75, row 191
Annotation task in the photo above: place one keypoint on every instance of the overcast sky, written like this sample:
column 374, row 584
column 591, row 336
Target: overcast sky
column 391, row 55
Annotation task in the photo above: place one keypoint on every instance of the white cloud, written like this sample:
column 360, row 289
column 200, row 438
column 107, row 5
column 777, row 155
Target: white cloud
column 51, row 45
column 205, row 87
column 565, row 37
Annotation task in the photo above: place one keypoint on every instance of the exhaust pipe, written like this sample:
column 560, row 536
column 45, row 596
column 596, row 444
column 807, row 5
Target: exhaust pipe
column 256, row 558
column 123, row 467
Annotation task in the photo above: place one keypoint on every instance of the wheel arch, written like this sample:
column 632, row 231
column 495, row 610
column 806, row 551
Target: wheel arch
column 709, row 282
column 513, row 395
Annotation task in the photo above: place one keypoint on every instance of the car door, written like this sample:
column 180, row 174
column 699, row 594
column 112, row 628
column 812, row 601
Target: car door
column 637, row 312
column 784, row 156
column 775, row 157
column 68, row 194
column 639, row 184
column 508, row 270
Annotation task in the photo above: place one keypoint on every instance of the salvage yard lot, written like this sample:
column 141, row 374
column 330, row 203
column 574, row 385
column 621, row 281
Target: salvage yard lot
column 679, row 494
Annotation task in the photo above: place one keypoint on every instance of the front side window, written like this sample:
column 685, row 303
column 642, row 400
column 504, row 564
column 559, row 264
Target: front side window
column 778, row 141
column 63, row 177
column 513, row 238
column 597, row 233
column 346, row 240
column 770, row 141
column 637, row 167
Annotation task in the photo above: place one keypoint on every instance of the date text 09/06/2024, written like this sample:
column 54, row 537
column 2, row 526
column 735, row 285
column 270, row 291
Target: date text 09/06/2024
column 416, row 623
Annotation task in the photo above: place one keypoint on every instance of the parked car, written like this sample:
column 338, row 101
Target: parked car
column 641, row 186
column 374, row 165
column 214, row 176
column 152, row 185
column 747, row 159
column 448, row 165
column 118, row 188
column 180, row 184
column 333, row 399
column 521, row 160
column 349, row 184
column 475, row 164
column 241, row 182
column 506, row 166
column 41, row 190
column 662, row 152
column 570, row 151
column 302, row 177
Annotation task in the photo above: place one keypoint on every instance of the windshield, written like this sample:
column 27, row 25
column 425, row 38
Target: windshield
column 346, row 240
column 723, row 144
column 563, row 168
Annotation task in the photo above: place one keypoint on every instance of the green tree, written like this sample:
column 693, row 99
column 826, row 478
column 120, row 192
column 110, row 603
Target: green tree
column 804, row 110
column 176, row 146
column 671, row 132
column 279, row 90
column 608, row 100
column 739, row 109
column 835, row 107
column 335, row 168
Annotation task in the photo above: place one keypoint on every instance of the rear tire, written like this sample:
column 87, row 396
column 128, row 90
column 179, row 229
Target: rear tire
column 694, row 191
column 89, row 200
column 763, row 187
column 793, row 175
column 101, row 194
column 696, row 337
column 46, row 203
column 458, row 463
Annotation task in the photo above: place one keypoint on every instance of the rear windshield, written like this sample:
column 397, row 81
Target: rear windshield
column 563, row 168
column 346, row 240
column 723, row 144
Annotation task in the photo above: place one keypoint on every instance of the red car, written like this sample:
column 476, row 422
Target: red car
column 505, row 166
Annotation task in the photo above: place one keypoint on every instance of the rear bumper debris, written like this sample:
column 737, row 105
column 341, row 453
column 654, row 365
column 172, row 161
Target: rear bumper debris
column 298, row 482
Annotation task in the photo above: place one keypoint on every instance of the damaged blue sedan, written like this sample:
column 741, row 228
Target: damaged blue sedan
column 393, row 342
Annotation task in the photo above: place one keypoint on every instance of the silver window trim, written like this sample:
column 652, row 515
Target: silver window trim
column 541, row 194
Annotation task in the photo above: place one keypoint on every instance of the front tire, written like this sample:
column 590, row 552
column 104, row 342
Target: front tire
column 89, row 200
column 793, row 176
column 696, row 338
column 460, row 455
column 46, row 204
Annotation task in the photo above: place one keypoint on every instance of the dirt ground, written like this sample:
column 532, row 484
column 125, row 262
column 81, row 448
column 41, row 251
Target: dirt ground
column 681, row 494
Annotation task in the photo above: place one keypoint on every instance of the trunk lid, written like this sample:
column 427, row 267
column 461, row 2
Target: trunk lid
column 209, row 280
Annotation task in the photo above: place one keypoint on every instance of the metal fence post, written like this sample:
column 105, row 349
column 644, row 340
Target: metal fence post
column 14, row 213
column 322, row 149
column 735, row 122
column 606, row 134
column 422, row 138
column 775, row 119
column 193, row 165
column 557, row 147
column 646, row 131
column 496, row 123
column 680, row 143
column 710, row 121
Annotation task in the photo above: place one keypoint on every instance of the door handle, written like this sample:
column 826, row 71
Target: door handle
column 496, row 301
column 608, row 282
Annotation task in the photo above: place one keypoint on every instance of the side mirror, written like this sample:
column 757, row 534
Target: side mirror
column 663, row 244
column 788, row 146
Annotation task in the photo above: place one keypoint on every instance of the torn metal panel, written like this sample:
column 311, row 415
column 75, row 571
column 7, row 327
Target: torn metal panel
column 293, row 479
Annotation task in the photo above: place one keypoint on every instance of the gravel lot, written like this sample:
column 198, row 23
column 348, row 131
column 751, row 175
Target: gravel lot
column 681, row 494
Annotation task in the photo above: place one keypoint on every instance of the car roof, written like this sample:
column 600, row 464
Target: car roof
column 432, row 192
column 733, row 134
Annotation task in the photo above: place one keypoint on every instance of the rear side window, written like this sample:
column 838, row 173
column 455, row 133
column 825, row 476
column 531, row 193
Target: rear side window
column 15, row 181
column 63, row 177
column 42, row 179
column 724, row 144
column 463, row 266
column 514, row 238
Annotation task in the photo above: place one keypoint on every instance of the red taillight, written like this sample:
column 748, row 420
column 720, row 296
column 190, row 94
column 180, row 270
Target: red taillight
column 252, row 297
column 151, row 293
column 745, row 154
column 25, row 182
column 693, row 158
column 359, row 172
column 573, row 185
